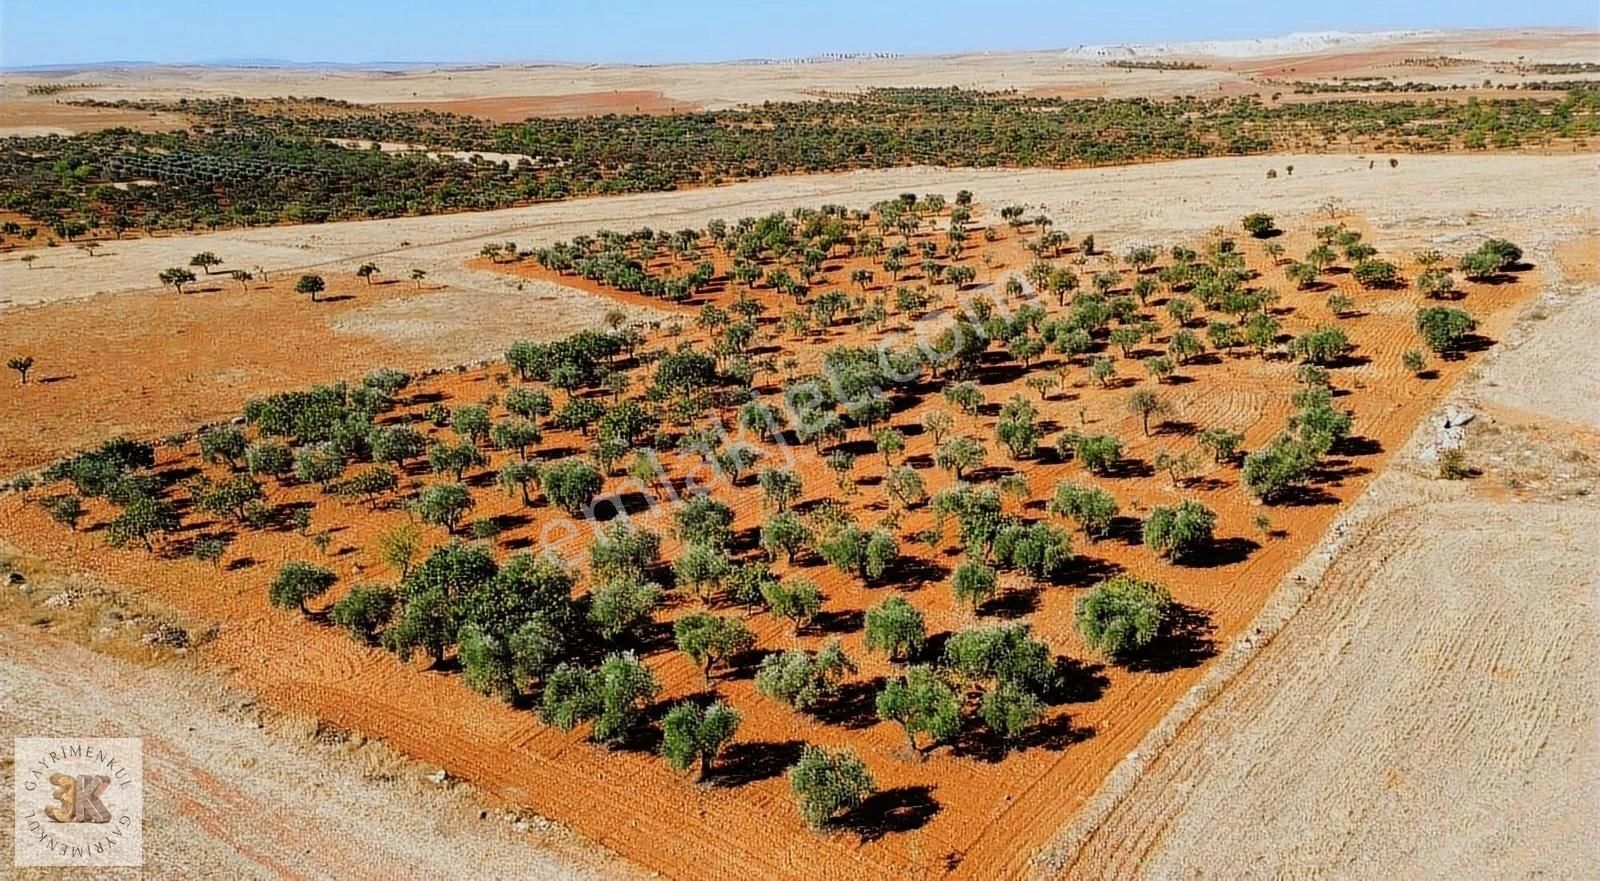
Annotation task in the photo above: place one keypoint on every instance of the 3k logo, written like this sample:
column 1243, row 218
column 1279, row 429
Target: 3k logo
column 79, row 798
column 77, row 801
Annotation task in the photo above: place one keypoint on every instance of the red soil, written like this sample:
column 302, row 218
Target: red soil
column 957, row 816
column 179, row 359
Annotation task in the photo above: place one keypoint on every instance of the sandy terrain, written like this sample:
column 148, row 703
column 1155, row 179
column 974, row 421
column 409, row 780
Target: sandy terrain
column 517, row 90
column 959, row 817
column 519, row 107
column 23, row 115
column 314, row 810
column 466, row 314
column 1203, row 803
column 1449, row 195
column 173, row 361
column 1430, row 707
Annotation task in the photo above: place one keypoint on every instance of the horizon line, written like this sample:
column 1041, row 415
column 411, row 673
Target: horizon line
column 819, row 57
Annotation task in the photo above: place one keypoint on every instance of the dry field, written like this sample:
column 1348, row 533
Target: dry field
column 956, row 815
column 1418, row 697
column 1425, row 703
column 1443, row 197
column 516, row 91
column 174, row 361
column 236, row 792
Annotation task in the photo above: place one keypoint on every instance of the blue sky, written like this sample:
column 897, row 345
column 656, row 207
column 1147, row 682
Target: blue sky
column 34, row 32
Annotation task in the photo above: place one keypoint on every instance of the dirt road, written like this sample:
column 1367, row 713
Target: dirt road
column 224, row 798
column 1430, row 707
column 1154, row 202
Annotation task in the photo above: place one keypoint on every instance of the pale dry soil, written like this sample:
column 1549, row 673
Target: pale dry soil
column 518, row 90
column 231, row 792
column 1469, row 625
column 117, row 344
column 1446, row 197
column 1420, row 700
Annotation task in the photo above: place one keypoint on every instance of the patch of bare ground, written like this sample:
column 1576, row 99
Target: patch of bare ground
column 172, row 361
column 234, row 790
column 1152, row 202
column 582, row 89
column 33, row 116
column 1419, row 699
column 515, row 108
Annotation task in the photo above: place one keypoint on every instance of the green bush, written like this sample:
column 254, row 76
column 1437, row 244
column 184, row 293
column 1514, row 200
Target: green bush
column 1122, row 615
column 827, row 784
column 364, row 611
column 690, row 734
column 297, row 582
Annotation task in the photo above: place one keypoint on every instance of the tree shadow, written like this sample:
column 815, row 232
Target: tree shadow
column 1075, row 681
column 740, row 666
column 838, row 622
column 912, row 573
column 1348, row 360
column 1305, row 497
column 1223, row 552
column 1128, row 468
column 629, row 503
column 1129, row 530
column 855, row 706
column 752, row 761
column 1185, row 641
column 892, row 811
column 1086, row 571
column 1012, row 603
column 1054, row 734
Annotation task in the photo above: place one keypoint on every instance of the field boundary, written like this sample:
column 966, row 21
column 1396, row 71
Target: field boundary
column 1290, row 597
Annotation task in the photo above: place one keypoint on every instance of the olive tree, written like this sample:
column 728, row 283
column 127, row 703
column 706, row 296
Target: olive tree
column 787, row 533
column 444, row 504
column 827, row 783
column 1179, row 532
column 801, row 679
column 1444, row 329
column 690, row 734
column 364, row 611
column 1122, row 615
column 297, row 582
column 1092, row 508
column 779, row 487
column 973, row 583
column 571, row 484
column 921, row 703
column 798, row 599
column 896, row 628
column 309, row 284
column 623, row 608
column 624, row 551
column 614, row 696
column 709, row 640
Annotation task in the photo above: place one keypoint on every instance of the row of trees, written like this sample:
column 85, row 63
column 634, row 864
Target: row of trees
column 523, row 629
column 254, row 163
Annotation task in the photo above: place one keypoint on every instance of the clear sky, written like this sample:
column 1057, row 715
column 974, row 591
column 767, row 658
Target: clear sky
column 34, row 32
